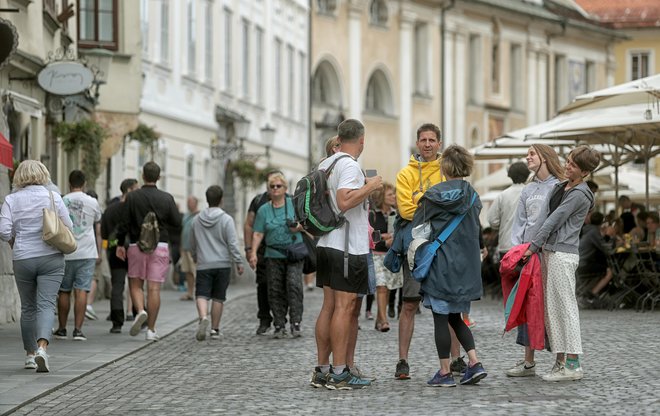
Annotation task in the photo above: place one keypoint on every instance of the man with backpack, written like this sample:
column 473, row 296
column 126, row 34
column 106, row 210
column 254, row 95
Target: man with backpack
column 342, row 260
column 148, row 213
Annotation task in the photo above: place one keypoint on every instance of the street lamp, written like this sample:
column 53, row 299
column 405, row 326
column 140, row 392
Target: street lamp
column 234, row 143
column 98, row 61
column 268, row 137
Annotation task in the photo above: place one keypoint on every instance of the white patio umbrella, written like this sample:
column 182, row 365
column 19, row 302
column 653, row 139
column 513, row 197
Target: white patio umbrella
column 639, row 91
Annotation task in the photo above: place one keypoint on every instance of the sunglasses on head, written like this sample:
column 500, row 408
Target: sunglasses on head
column 276, row 186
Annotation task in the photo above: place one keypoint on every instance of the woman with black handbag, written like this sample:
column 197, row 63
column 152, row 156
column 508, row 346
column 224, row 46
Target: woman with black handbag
column 285, row 254
column 38, row 266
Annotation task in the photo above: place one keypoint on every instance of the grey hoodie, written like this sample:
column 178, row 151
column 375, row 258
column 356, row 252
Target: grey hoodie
column 532, row 210
column 213, row 240
column 561, row 230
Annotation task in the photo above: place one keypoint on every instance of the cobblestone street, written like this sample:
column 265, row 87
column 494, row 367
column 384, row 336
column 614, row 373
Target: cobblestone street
column 246, row 374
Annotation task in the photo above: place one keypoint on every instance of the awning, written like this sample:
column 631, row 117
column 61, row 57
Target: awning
column 24, row 104
column 6, row 152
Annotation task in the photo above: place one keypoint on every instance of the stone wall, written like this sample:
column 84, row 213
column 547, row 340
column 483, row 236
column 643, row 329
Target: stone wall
column 10, row 305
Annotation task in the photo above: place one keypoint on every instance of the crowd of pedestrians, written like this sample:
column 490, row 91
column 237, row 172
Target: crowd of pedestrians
column 544, row 213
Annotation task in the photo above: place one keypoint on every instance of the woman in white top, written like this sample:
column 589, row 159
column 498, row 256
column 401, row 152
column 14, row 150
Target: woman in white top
column 38, row 267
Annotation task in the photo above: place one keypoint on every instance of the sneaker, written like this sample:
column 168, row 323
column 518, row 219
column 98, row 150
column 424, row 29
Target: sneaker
column 560, row 372
column 130, row 317
column 296, row 332
column 78, row 335
column 369, row 316
column 215, row 334
column 357, row 372
column 440, row 380
column 140, row 319
column 151, row 336
column 402, row 370
column 390, row 311
column 473, row 374
column 30, row 364
column 469, row 322
column 264, row 326
column 116, row 329
column 90, row 314
column 60, row 333
column 310, row 287
column 522, row 369
column 318, row 378
column 458, row 366
column 41, row 359
column 345, row 381
column 280, row 333
column 201, row 329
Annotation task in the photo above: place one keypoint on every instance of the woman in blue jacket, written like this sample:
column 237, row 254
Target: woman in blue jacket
column 454, row 279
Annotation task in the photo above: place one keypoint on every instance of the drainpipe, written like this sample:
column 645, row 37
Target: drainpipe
column 442, row 64
column 310, row 125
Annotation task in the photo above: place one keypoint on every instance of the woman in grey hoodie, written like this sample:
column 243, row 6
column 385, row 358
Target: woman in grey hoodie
column 531, row 212
column 559, row 236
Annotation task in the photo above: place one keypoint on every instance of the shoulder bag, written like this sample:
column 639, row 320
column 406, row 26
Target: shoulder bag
column 55, row 233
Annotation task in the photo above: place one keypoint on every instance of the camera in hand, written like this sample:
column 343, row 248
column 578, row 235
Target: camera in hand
column 375, row 236
column 292, row 223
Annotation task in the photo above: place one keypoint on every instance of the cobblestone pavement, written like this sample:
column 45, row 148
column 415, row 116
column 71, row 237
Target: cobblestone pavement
column 247, row 374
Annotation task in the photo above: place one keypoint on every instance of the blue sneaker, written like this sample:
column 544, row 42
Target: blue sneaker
column 439, row 380
column 345, row 381
column 474, row 374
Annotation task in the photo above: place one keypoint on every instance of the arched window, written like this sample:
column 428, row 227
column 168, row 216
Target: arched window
column 378, row 12
column 379, row 94
column 325, row 86
column 326, row 6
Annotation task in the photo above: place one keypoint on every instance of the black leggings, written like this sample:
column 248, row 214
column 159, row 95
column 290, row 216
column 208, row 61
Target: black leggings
column 443, row 337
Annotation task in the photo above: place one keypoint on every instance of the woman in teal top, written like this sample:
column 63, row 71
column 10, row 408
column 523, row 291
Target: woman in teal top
column 275, row 224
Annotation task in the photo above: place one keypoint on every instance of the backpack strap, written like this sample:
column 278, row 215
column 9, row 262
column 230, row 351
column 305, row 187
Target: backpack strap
column 334, row 162
column 454, row 223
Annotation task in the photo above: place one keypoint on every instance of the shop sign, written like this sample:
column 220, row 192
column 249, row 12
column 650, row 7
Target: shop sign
column 65, row 78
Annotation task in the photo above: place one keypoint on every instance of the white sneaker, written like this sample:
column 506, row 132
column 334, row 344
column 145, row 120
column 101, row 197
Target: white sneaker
column 30, row 364
column 90, row 313
column 151, row 335
column 215, row 334
column 560, row 373
column 140, row 319
column 522, row 369
column 201, row 329
column 41, row 359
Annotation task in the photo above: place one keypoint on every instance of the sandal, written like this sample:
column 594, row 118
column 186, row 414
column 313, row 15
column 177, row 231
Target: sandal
column 382, row 326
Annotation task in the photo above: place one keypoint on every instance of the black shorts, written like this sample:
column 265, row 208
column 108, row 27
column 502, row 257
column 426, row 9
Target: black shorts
column 212, row 284
column 330, row 271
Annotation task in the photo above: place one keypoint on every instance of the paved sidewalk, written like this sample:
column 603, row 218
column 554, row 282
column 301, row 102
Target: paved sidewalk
column 70, row 360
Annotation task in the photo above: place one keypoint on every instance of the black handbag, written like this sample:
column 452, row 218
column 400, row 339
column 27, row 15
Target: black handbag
column 296, row 252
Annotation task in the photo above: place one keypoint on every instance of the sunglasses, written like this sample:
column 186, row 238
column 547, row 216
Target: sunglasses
column 278, row 186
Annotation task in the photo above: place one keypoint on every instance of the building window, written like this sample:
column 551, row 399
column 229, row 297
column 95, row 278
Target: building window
column 291, row 101
column 495, row 66
column 379, row 95
column 259, row 61
column 325, row 86
column 208, row 42
column 639, row 65
column 190, row 176
column 326, row 6
column 278, row 75
column 190, row 36
column 591, row 76
column 144, row 26
column 97, row 24
column 378, row 12
column 516, row 78
column 561, row 82
column 422, row 61
column 246, row 59
column 303, row 87
column 164, row 31
column 228, row 51
column 476, row 83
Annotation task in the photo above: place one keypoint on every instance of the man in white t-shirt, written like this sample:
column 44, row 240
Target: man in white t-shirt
column 79, row 266
column 349, row 190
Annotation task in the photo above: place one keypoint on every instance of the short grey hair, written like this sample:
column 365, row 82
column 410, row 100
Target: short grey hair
column 350, row 130
column 31, row 172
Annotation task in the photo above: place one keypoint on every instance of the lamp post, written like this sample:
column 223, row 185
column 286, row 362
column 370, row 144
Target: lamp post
column 98, row 60
column 268, row 137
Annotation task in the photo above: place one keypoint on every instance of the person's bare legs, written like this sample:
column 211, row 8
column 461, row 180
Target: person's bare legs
column 602, row 282
column 92, row 292
column 340, row 326
column 322, row 328
column 63, row 306
column 79, row 307
column 406, row 327
column 529, row 355
column 202, row 307
column 352, row 340
column 216, row 314
column 136, row 286
column 190, row 282
column 382, row 298
column 153, row 303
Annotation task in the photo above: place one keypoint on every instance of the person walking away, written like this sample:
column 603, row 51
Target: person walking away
column 214, row 246
column 79, row 266
column 186, row 261
column 118, row 267
column 38, row 267
column 454, row 279
column 150, row 267
column 275, row 225
column 568, row 205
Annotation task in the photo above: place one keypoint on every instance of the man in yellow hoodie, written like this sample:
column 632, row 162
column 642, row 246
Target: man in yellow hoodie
column 421, row 173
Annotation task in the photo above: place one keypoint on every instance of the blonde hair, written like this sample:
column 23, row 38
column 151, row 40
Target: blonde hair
column 330, row 145
column 551, row 160
column 457, row 162
column 30, row 172
column 378, row 196
column 277, row 176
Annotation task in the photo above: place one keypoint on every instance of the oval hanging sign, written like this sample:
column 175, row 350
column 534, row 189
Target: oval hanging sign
column 65, row 78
